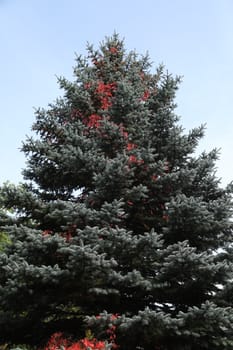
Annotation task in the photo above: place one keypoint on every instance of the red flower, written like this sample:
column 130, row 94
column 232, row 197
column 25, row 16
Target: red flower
column 131, row 146
column 75, row 346
column 134, row 160
column 92, row 344
column 145, row 95
column 105, row 93
column 113, row 50
column 105, row 103
column 57, row 342
column 114, row 316
column 94, row 121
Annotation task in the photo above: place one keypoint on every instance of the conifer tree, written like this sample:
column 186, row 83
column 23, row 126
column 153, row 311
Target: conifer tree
column 117, row 216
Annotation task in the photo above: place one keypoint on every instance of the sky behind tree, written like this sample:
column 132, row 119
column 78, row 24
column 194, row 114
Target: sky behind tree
column 39, row 39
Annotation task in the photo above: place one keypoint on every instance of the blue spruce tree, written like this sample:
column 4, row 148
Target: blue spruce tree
column 117, row 215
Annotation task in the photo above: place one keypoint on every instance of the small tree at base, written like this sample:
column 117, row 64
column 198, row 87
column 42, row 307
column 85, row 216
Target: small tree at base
column 118, row 215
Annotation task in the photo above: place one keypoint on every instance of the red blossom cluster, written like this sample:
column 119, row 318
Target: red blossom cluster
column 134, row 160
column 58, row 342
column 105, row 93
column 93, row 121
column 131, row 146
column 146, row 95
column 113, row 50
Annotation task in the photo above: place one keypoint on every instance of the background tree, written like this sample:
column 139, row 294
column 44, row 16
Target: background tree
column 118, row 216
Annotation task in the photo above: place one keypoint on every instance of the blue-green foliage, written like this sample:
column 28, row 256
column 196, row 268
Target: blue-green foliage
column 117, row 215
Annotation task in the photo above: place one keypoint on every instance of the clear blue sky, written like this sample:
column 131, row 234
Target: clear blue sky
column 193, row 38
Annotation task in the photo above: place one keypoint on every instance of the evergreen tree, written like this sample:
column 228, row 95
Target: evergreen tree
column 117, row 216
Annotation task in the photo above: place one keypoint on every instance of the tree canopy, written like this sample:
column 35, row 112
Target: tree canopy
column 117, row 215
